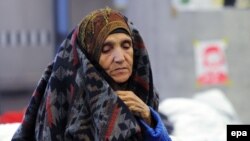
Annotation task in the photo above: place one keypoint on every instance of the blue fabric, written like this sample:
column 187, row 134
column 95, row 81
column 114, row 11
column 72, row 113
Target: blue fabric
column 157, row 133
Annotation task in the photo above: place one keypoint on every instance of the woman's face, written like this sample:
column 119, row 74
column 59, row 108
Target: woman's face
column 117, row 57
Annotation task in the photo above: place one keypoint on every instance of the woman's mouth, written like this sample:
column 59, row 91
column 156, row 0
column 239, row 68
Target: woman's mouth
column 120, row 71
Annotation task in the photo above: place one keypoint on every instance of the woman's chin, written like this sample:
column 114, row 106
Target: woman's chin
column 121, row 79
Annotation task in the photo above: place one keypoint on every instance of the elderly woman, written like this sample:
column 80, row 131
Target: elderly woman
column 99, row 87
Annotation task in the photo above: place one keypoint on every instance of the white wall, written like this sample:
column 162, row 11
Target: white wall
column 30, row 45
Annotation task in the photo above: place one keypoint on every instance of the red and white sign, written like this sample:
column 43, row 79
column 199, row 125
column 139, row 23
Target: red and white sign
column 211, row 64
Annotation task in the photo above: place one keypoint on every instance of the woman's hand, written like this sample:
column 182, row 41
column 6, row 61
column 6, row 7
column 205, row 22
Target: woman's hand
column 135, row 105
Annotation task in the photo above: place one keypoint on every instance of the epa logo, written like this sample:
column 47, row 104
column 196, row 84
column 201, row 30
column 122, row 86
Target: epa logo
column 238, row 132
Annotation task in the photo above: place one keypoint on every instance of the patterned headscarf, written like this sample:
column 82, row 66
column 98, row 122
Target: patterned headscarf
column 74, row 101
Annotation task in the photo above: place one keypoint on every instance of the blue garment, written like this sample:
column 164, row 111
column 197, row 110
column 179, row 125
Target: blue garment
column 157, row 133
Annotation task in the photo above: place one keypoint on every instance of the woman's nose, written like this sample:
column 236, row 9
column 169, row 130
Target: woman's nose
column 118, row 55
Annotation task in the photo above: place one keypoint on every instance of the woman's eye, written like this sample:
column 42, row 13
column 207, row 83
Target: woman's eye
column 106, row 48
column 126, row 45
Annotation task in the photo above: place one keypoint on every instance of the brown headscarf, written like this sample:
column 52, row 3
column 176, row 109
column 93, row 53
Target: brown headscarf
column 95, row 28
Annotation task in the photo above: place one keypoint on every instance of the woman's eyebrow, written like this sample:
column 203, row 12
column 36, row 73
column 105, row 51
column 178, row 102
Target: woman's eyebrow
column 107, row 43
column 127, row 41
column 113, row 42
